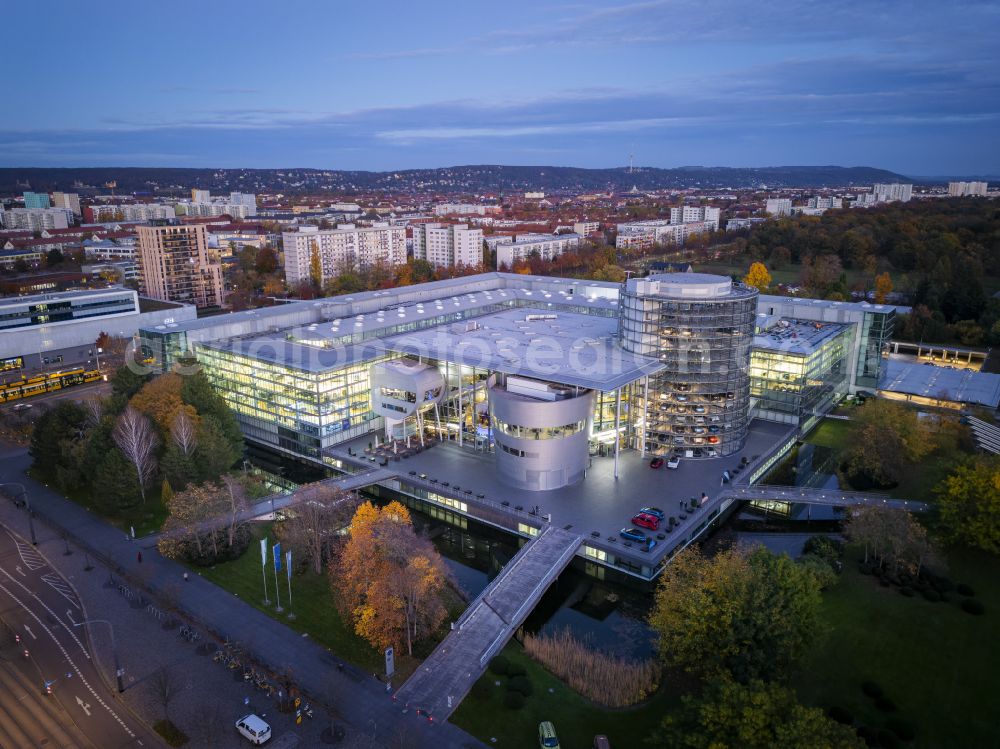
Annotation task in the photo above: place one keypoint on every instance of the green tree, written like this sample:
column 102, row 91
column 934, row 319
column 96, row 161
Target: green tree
column 115, row 484
column 970, row 503
column 748, row 615
column 885, row 438
column 216, row 450
column 757, row 715
column 125, row 382
column 57, row 443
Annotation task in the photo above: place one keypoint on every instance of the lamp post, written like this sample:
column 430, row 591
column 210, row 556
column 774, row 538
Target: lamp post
column 119, row 671
column 27, row 505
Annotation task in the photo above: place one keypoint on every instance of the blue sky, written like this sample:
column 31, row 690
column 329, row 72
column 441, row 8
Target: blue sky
column 910, row 86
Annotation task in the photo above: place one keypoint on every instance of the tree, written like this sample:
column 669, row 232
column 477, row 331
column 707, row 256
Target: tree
column 114, row 484
column 390, row 582
column 891, row 536
column 315, row 266
column 216, row 451
column 54, row 440
column 165, row 687
column 205, row 524
column 885, row 438
column 743, row 614
column 183, row 433
column 266, row 262
column 757, row 715
column 883, row 287
column 135, row 437
column 126, row 382
column 161, row 400
column 53, row 257
column 758, row 277
column 970, row 503
column 311, row 528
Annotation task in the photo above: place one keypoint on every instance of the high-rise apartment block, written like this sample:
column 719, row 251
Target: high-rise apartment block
column 886, row 193
column 346, row 248
column 446, row 246
column 67, row 200
column 247, row 199
column 586, row 228
column 691, row 213
column 825, row 203
column 961, row 189
column 778, row 207
column 36, row 200
column 546, row 246
column 201, row 196
column 176, row 264
column 99, row 214
column 36, row 219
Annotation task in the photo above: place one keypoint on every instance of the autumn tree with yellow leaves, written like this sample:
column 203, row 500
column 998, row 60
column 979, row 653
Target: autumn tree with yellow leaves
column 883, row 287
column 391, row 583
column 758, row 277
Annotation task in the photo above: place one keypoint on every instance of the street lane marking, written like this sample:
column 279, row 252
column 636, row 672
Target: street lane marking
column 20, row 571
column 61, row 587
column 84, row 705
column 31, row 558
column 76, row 668
column 33, row 637
column 45, row 606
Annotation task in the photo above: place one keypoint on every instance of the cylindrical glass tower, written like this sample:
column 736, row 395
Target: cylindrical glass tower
column 700, row 327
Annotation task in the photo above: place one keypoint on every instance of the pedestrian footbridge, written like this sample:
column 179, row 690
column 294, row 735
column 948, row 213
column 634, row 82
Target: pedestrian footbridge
column 832, row 497
column 442, row 680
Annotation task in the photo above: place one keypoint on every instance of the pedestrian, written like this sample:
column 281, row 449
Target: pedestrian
column 704, row 498
column 185, row 577
column 139, row 557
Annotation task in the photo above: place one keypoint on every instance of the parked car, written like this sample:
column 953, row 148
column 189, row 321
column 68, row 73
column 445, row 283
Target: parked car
column 547, row 735
column 699, row 409
column 656, row 463
column 711, row 452
column 601, row 742
column 713, row 428
column 698, row 430
column 712, row 440
column 631, row 534
column 646, row 521
column 656, row 512
column 254, row 729
column 674, row 462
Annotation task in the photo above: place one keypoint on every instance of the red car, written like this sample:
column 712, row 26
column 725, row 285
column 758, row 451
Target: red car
column 644, row 520
column 656, row 463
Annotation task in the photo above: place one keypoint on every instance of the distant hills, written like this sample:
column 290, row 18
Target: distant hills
column 443, row 180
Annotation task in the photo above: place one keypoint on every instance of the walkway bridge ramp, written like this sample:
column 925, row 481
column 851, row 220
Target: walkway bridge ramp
column 808, row 496
column 442, row 680
column 987, row 436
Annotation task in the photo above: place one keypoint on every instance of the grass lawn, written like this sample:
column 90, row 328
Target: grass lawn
column 936, row 662
column 577, row 720
column 832, row 433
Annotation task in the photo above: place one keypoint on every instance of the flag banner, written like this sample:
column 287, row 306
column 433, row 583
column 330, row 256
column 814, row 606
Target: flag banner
column 263, row 552
column 277, row 556
column 288, row 563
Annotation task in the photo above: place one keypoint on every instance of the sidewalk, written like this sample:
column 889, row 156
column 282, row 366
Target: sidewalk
column 355, row 698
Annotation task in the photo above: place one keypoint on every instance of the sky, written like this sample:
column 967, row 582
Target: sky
column 909, row 85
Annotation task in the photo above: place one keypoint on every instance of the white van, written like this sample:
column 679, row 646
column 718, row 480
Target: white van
column 253, row 728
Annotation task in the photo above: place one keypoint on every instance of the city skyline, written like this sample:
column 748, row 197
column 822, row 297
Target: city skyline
column 908, row 87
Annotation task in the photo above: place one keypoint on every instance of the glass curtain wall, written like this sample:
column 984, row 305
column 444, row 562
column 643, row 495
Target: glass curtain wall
column 876, row 332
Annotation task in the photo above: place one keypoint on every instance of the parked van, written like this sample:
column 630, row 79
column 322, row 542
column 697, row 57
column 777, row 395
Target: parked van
column 253, row 728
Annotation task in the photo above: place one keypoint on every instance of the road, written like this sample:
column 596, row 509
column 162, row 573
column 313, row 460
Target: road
column 40, row 606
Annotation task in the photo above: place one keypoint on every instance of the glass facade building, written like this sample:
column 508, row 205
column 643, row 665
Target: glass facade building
column 700, row 329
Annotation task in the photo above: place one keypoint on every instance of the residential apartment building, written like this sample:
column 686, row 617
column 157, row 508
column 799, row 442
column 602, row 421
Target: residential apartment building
column 447, row 246
column 236, row 210
column 547, row 247
column 644, row 235
column 36, row 219
column 961, row 189
column 176, row 264
column 99, row 214
column 200, row 196
column 345, row 248
column 778, row 207
column 36, row 200
column 106, row 250
column 887, row 193
column 244, row 198
column 825, row 203
column 67, row 200
column 693, row 213
column 447, row 209
column 586, row 228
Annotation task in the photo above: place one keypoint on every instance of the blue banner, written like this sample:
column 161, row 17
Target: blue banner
column 288, row 563
column 277, row 556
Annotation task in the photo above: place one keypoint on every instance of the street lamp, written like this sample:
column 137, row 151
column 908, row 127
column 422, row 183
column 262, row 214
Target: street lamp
column 27, row 505
column 119, row 671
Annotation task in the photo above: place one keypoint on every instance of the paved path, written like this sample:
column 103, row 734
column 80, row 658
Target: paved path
column 357, row 698
column 831, row 497
column 443, row 680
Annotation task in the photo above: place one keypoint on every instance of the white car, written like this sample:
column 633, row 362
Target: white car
column 674, row 462
column 253, row 728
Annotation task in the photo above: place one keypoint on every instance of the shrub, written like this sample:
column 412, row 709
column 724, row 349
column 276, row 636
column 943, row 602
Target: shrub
column 824, row 547
column 974, row 607
column 868, row 735
column 840, row 715
column 482, row 689
column 521, row 684
column 170, row 733
column 932, row 595
column 514, row 700
column 516, row 669
column 606, row 679
column 886, row 705
column 887, row 739
column 872, row 689
column 902, row 728
column 965, row 590
column 500, row 665
column 908, row 592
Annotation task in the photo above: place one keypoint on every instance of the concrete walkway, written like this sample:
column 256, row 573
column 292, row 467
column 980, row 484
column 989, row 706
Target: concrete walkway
column 359, row 700
column 830, row 497
column 443, row 680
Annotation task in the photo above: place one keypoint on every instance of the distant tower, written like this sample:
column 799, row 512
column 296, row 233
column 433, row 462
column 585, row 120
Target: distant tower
column 630, row 157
